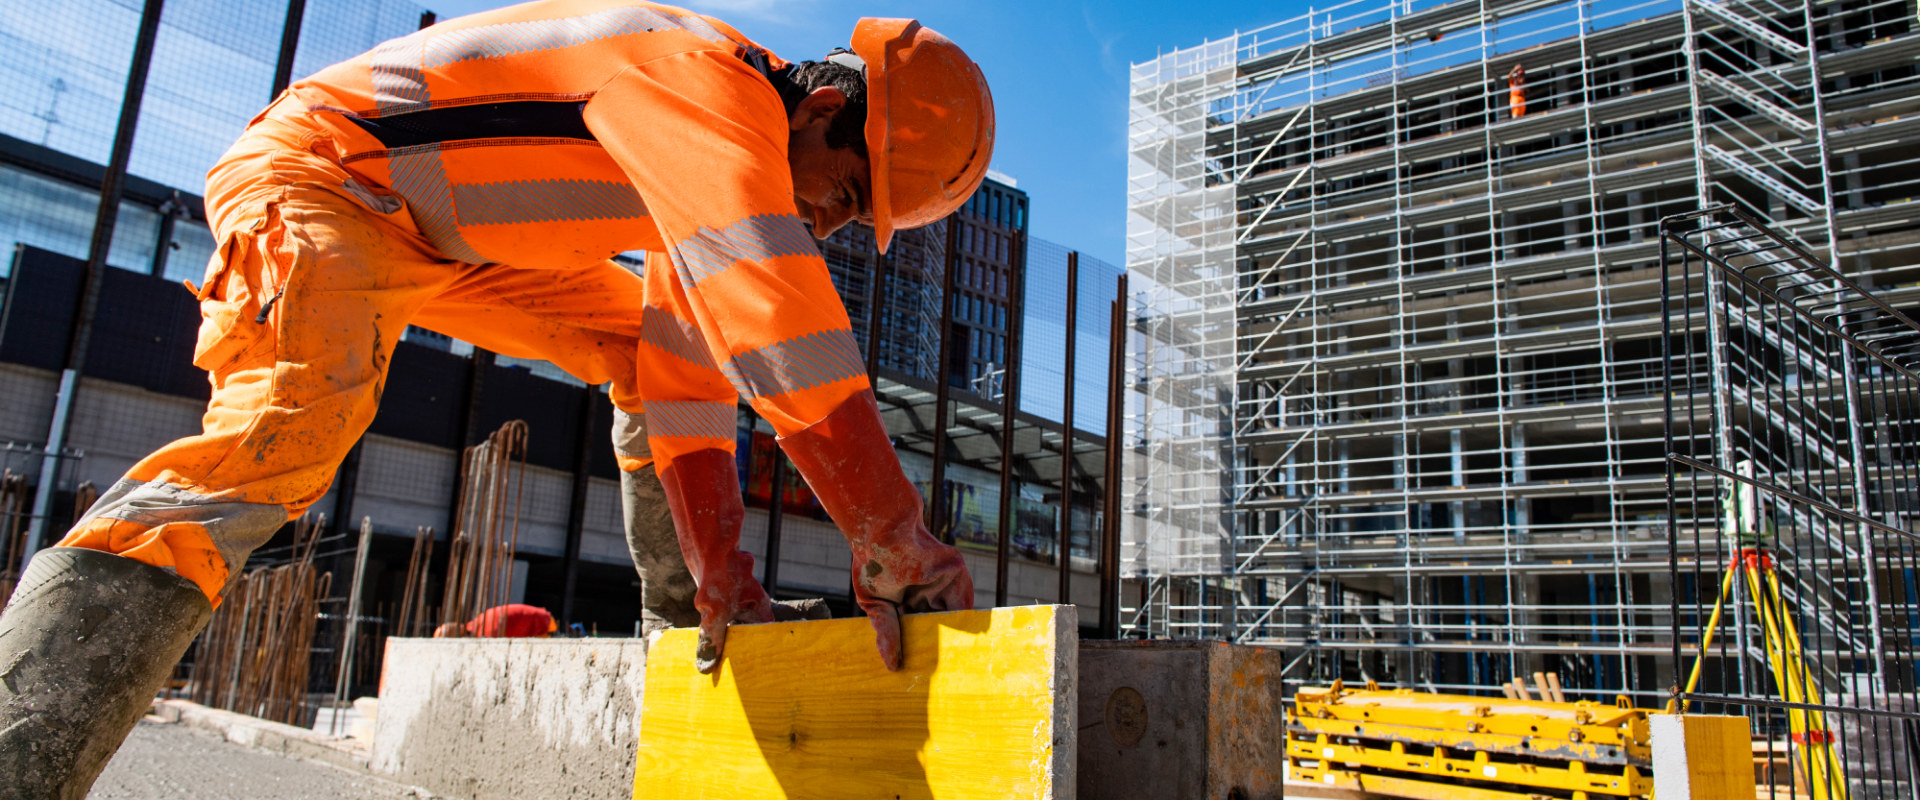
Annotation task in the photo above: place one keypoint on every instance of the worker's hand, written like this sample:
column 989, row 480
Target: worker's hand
column 898, row 567
column 918, row 574
column 727, row 597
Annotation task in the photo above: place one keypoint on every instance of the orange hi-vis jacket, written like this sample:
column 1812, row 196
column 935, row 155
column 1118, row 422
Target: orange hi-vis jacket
column 561, row 132
column 474, row 178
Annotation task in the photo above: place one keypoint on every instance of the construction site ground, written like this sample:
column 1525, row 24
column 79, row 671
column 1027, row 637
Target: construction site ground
column 180, row 759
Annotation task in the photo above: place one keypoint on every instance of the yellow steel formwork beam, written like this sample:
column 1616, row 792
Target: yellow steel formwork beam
column 1431, row 745
column 1508, row 743
column 1476, row 766
column 1409, row 787
column 1596, row 733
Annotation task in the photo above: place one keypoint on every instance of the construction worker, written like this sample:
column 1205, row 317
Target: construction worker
column 474, row 178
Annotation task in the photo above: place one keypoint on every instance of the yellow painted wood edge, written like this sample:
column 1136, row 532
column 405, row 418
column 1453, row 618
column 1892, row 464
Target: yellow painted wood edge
column 673, row 650
column 1713, row 757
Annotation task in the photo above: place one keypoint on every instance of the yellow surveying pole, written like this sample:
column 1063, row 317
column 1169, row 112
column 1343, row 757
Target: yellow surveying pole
column 1744, row 527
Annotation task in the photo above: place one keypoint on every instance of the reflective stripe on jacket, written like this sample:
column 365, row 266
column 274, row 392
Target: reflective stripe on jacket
column 557, row 133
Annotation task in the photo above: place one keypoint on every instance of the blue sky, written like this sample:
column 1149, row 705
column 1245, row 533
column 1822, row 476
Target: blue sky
column 1058, row 72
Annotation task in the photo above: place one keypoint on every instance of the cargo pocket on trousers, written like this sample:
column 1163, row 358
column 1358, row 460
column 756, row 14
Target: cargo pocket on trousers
column 227, row 303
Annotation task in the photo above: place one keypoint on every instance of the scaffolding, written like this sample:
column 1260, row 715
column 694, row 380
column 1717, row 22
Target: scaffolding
column 1395, row 367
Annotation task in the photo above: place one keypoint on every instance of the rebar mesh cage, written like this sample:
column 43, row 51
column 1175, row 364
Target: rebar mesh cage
column 1793, row 441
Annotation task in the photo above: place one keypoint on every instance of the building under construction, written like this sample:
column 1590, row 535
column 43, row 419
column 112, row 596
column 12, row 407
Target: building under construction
column 1396, row 375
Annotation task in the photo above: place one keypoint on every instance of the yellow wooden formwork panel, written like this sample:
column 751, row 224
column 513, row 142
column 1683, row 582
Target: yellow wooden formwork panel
column 982, row 708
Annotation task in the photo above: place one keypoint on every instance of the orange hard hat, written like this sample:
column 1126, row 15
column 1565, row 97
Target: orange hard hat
column 929, row 123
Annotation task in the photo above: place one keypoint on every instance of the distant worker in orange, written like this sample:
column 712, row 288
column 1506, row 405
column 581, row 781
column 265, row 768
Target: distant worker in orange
column 474, row 178
column 513, row 621
column 1517, row 91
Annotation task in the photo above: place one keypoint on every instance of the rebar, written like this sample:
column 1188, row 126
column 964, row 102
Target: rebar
column 414, row 612
column 485, row 535
column 254, row 656
column 16, row 497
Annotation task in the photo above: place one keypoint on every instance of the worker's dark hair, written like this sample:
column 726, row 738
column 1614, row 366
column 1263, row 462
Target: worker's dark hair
column 849, row 127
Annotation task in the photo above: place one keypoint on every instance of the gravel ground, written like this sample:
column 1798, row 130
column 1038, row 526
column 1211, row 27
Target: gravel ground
column 161, row 761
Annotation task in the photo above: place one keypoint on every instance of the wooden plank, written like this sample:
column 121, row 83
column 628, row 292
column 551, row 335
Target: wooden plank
column 984, row 707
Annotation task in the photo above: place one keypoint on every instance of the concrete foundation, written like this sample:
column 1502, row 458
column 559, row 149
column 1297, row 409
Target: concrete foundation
column 511, row 719
column 1180, row 719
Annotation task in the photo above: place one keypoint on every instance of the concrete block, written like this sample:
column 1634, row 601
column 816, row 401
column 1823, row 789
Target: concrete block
column 1200, row 720
column 511, row 719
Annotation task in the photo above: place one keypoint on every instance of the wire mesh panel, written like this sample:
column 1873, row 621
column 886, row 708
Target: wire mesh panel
column 65, row 69
column 1792, row 487
column 336, row 30
column 212, row 71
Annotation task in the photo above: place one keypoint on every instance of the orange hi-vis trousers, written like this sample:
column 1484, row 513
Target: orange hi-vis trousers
column 314, row 282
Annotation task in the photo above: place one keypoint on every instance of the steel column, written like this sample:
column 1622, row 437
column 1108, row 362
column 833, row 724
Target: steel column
column 106, row 215
column 344, row 488
column 577, row 499
column 170, row 211
column 1064, row 546
column 1110, row 506
column 289, row 42
column 1009, row 414
column 937, row 491
column 477, row 365
column 776, row 514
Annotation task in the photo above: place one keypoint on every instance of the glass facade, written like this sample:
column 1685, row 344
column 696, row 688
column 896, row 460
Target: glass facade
column 65, row 66
column 1043, row 359
column 65, row 69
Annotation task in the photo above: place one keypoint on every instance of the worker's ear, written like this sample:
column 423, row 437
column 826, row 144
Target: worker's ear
column 818, row 107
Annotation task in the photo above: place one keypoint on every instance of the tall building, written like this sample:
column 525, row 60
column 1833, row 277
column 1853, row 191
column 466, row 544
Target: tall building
column 1396, row 380
column 988, row 239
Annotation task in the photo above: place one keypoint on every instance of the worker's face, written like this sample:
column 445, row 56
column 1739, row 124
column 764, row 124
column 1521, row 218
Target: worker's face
column 830, row 185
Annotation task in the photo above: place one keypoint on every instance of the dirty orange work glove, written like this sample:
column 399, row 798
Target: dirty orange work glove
column 898, row 566
column 703, row 492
